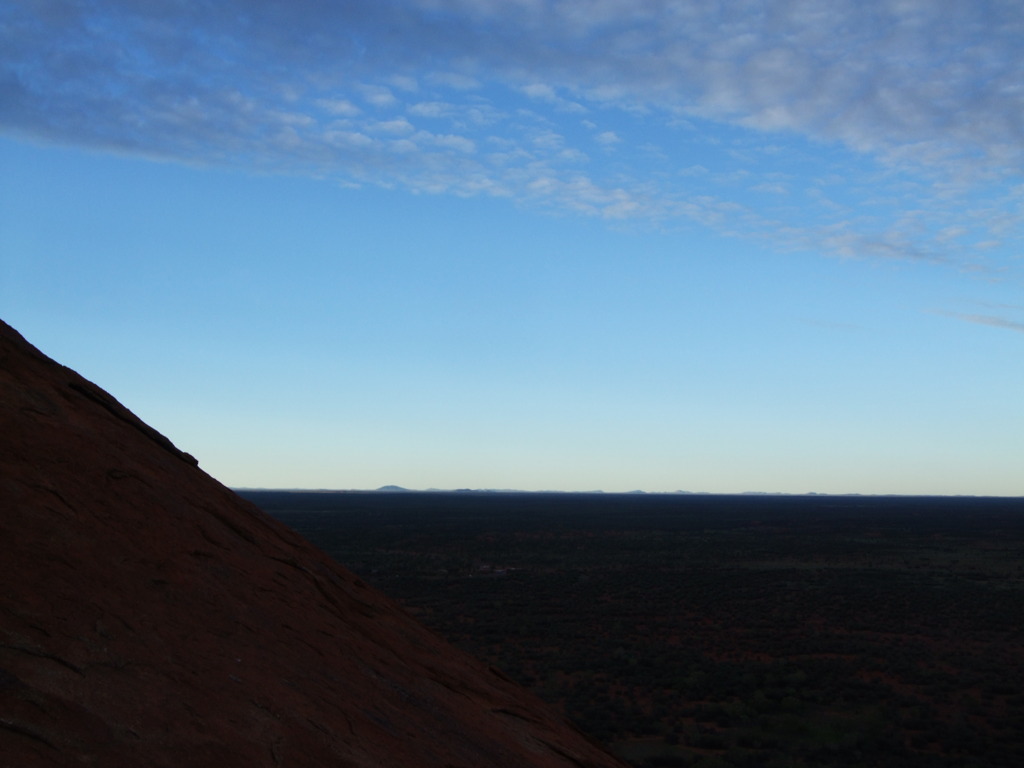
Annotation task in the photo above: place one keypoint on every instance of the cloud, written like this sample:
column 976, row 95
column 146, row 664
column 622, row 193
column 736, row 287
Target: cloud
column 378, row 95
column 435, row 109
column 918, row 79
column 449, row 141
column 397, row 126
column 770, row 188
column 338, row 107
column 540, row 91
column 454, row 80
column 544, row 92
column 993, row 320
column 896, row 130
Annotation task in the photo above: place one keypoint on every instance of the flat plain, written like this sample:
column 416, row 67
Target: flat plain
column 693, row 630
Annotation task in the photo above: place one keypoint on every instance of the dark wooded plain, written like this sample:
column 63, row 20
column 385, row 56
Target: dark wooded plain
column 692, row 630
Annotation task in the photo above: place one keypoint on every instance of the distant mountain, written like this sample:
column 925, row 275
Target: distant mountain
column 393, row 489
column 151, row 617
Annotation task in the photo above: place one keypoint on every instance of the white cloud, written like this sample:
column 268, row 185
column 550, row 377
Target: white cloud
column 404, row 83
column 349, row 139
column 432, row 109
column 572, row 155
column 454, row 80
column 397, row 126
column 545, row 93
column 459, row 143
column 447, row 141
column 548, row 140
column 540, row 91
column 916, row 108
column 342, row 107
column 404, row 146
column 378, row 95
column 770, row 188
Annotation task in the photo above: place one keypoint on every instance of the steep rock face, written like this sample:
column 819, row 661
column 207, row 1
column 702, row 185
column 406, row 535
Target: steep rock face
column 149, row 616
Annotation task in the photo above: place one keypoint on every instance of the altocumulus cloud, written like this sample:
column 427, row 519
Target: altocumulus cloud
column 855, row 127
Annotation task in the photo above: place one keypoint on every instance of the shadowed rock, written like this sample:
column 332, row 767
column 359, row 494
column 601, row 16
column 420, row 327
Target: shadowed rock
column 151, row 617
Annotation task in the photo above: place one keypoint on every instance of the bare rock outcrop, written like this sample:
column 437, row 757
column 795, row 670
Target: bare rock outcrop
column 151, row 617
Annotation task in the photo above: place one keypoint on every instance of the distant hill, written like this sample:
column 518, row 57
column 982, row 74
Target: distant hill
column 151, row 617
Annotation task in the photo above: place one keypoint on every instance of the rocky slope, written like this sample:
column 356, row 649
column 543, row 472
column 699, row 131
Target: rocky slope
column 149, row 616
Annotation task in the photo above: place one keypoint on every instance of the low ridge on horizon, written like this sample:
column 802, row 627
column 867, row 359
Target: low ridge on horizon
column 678, row 492
column 153, row 617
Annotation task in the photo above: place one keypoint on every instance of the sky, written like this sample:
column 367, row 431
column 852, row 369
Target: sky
column 718, row 247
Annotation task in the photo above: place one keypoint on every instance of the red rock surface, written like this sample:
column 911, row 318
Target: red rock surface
column 151, row 617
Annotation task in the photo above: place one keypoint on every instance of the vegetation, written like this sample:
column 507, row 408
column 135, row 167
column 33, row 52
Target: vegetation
column 720, row 631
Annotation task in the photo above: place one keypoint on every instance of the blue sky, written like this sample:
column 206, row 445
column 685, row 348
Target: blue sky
column 601, row 244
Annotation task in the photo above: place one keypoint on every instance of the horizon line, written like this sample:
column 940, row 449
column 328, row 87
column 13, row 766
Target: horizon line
column 638, row 492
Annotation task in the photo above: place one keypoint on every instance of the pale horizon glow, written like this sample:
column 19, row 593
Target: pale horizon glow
column 534, row 245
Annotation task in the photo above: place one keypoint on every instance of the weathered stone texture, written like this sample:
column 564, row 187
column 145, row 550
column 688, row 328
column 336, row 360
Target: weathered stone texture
column 151, row 617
